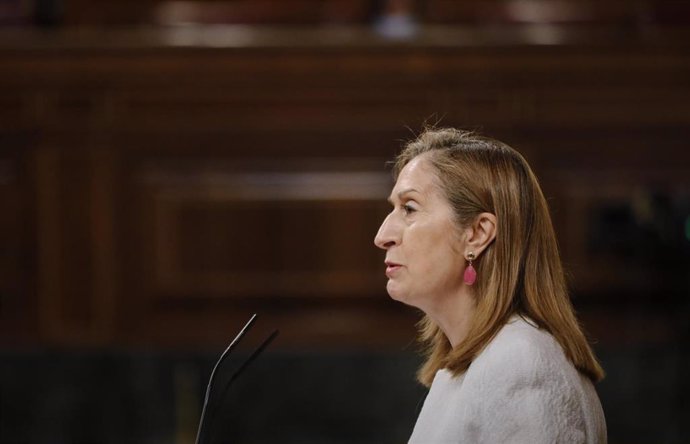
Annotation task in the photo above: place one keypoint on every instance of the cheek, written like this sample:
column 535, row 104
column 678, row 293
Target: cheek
column 443, row 267
column 442, row 263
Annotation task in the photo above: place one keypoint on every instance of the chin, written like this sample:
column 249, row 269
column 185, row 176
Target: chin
column 396, row 293
column 393, row 292
column 395, row 297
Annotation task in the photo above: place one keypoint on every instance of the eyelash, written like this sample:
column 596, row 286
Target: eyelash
column 408, row 209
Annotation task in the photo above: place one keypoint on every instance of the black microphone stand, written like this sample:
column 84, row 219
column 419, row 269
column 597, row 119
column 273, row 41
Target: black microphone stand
column 201, row 435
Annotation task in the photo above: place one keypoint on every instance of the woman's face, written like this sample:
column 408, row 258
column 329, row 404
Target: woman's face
column 424, row 247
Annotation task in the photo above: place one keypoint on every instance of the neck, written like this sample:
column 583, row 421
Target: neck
column 454, row 315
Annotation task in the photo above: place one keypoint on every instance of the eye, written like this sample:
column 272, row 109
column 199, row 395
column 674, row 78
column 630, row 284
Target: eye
column 408, row 209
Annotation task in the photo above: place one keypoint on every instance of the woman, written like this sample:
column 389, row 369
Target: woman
column 470, row 242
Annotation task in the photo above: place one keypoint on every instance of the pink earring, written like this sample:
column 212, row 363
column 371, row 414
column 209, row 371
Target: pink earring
column 470, row 273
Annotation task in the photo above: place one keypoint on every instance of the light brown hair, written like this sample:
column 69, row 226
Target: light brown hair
column 521, row 271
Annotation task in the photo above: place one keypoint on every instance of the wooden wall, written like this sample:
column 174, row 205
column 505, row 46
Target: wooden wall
column 611, row 13
column 157, row 187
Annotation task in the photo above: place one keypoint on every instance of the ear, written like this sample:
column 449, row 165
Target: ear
column 480, row 233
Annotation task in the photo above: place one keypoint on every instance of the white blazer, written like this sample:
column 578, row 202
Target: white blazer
column 520, row 389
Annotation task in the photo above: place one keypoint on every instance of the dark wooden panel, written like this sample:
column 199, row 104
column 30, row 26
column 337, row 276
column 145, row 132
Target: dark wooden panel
column 63, row 242
column 292, row 239
column 229, row 91
column 12, row 110
column 268, row 234
column 74, row 228
column 619, row 12
column 18, row 307
column 292, row 12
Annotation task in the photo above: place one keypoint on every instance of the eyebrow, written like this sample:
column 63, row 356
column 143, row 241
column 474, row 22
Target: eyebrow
column 402, row 193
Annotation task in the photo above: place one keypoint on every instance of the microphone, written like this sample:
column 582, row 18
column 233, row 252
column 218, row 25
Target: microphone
column 202, row 431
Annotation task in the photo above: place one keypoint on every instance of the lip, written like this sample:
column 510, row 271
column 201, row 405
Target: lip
column 391, row 268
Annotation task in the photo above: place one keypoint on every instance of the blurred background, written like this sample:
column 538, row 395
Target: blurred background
column 168, row 168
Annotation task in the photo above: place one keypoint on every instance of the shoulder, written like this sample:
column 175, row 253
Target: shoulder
column 521, row 343
column 521, row 352
column 522, row 388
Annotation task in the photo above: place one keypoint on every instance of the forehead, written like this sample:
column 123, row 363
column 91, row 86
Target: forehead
column 419, row 175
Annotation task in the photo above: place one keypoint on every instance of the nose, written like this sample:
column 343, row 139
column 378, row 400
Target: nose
column 387, row 235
